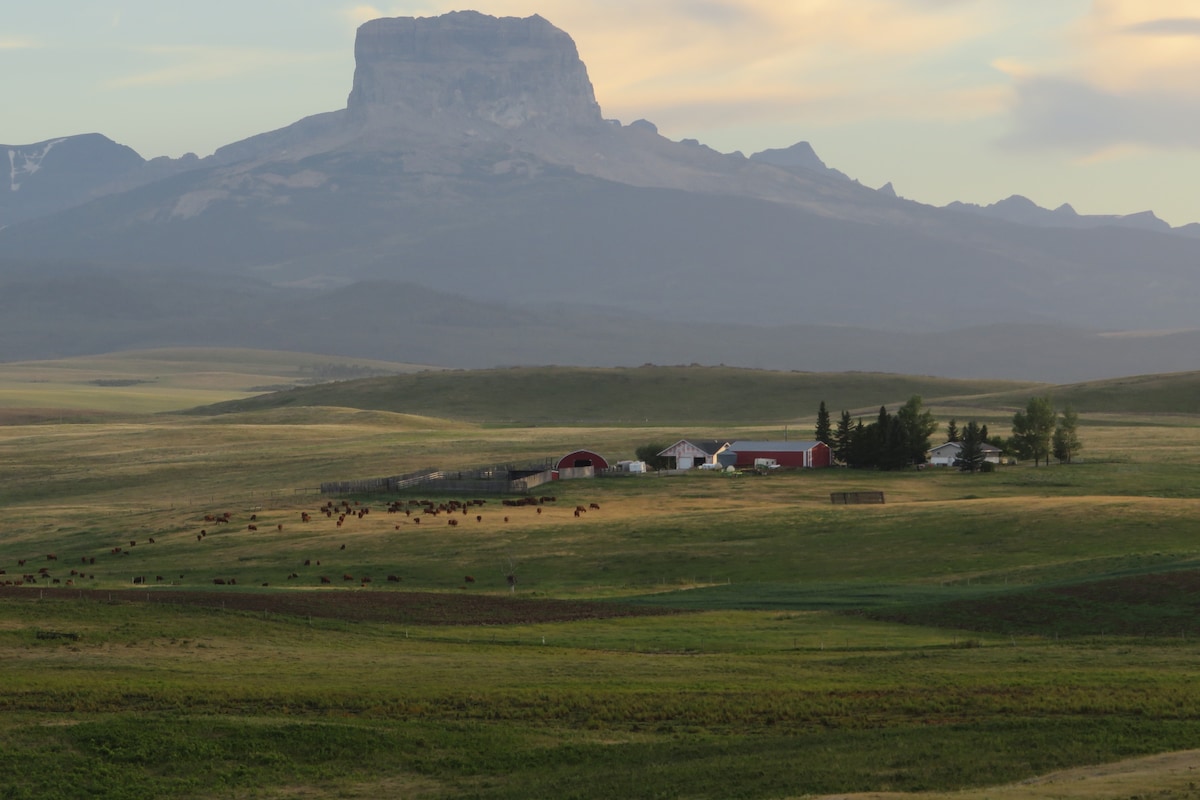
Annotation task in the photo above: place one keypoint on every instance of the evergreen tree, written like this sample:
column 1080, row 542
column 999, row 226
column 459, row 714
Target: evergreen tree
column 1066, row 436
column 841, row 438
column 1033, row 428
column 970, row 456
column 823, row 432
column 952, row 431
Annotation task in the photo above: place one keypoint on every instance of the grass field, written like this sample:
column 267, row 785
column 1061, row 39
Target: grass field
column 694, row 636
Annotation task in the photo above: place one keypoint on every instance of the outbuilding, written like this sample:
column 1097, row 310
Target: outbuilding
column 795, row 455
column 581, row 459
column 689, row 453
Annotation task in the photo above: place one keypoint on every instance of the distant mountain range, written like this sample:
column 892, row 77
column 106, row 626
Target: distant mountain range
column 471, row 207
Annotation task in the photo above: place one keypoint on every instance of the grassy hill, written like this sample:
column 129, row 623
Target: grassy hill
column 649, row 395
column 148, row 381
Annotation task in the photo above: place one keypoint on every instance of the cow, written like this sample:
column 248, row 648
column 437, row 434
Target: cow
column 251, row 527
column 469, row 579
column 325, row 580
column 394, row 578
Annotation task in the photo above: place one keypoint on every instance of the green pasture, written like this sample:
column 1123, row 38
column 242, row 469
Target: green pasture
column 972, row 633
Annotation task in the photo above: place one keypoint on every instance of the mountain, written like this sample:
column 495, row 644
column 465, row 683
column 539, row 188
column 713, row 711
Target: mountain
column 1024, row 211
column 472, row 175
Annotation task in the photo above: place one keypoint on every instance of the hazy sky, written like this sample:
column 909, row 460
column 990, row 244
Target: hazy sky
column 1091, row 102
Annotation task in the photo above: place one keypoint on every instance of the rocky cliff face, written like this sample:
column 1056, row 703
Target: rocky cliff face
column 508, row 71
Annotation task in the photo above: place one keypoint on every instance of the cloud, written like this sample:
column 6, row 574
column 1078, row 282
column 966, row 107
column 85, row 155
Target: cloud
column 1189, row 26
column 1122, row 81
column 199, row 64
column 1069, row 114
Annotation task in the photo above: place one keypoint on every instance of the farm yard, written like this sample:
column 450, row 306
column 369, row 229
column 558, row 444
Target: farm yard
column 1029, row 633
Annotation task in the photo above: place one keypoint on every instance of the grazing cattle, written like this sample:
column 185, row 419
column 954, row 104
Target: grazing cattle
column 580, row 509
column 306, row 562
column 251, row 527
column 394, row 578
column 343, row 547
column 417, row 520
column 577, row 512
column 219, row 581
column 151, row 540
column 265, row 583
column 365, row 580
column 539, row 509
column 594, row 506
column 254, row 517
column 158, row 578
column 347, row 577
column 51, row 557
column 325, row 580
column 198, row 537
column 452, row 522
column 92, row 560
column 83, row 560
column 479, row 517
column 209, row 518
column 506, row 519
column 20, row 562
column 132, row 544
column 304, row 517
column 469, row 579
column 279, row 527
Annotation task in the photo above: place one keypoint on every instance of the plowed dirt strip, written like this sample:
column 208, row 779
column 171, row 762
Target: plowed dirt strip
column 361, row 605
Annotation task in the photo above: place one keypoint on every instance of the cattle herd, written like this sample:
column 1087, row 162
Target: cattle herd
column 116, row 559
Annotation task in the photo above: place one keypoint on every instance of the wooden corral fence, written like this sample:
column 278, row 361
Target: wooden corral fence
column 485, row 481
column 855, row 498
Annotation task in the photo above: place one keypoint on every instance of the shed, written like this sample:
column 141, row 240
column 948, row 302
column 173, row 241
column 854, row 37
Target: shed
column 581, row 459
column 791, row 454
column 690, row 453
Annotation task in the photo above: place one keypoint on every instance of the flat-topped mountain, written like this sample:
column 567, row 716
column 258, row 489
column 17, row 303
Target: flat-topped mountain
column 464, row 65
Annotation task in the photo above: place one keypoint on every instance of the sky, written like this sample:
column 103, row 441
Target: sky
column 1095, row 103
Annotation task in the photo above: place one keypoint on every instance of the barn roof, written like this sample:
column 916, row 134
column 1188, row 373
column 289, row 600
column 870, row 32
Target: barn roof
column 781, row 446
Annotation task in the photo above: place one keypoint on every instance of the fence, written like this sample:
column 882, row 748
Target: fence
column 855, row 498
column 484, row 481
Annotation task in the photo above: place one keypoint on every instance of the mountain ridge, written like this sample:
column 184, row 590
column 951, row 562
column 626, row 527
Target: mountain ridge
column 496, row 178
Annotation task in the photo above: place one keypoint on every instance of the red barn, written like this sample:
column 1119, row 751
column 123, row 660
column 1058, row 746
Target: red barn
column 794, row 455
column 580, row 459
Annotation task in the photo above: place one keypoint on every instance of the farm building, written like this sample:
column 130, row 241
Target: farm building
column 688, row 453
column 786, row 453
column 582, row 459
column 944, row 455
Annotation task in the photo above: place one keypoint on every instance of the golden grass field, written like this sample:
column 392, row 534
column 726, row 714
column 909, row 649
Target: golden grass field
column 95, row 454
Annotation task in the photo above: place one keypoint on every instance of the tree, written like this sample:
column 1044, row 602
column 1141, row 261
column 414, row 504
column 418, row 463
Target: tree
column 650, row 454
column 952, row 431
column 1066, row 436
column 915, row 428
column 841, row 438
column 823, row 432
column 970, row 455
column 1033, row 428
